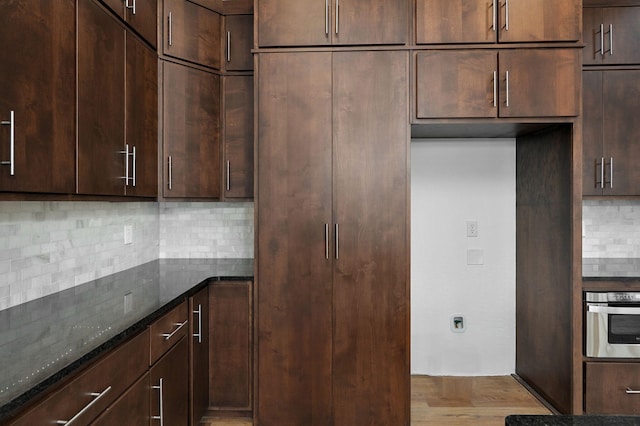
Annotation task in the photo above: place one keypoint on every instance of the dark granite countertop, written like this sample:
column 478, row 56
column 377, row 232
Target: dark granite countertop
column 551, row 420
column 594, row 269
column 45, row 340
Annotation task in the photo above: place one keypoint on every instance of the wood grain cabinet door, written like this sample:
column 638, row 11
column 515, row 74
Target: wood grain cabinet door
column 369, row 22
column 592, row 136
column 455, row 21
column 238, row 42
column 606, row 388
column 101, row 114
column 294, row 292
column 370, row 279
column 238, row 136
column 169, row 395
column 539, row 83
column 37, row 96
column 293, row 23
column 456, row 84
column 132, row 408
column 142, row 15
column 611, row 35
column 191, row 138
column 539, row 20
column 199, row 355
column 191, row 32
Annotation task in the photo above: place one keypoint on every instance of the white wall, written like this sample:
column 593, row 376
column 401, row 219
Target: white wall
column 452, row 182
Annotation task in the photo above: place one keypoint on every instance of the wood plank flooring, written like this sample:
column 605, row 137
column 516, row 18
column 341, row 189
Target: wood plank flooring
column 456, row 401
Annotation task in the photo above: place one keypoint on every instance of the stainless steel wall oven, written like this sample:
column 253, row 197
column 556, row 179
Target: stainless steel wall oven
column 612, row 324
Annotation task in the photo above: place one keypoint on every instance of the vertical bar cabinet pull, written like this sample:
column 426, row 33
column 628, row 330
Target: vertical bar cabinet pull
column 507, row 88
column 170, row 173
column 12, row 143
column 326, row 241
column 493, row 14
column 170, row 29
column 611, row 173
column 495, row 89
column 228, row 175
column 610, row 39
column 601, row 39
column 199, row 333
column 337, row 16
column 506, row 15
column 337, row 241
column 161, row 405
column 326, row 17
column 126, row 164
column 133, row 161
column 228, row 46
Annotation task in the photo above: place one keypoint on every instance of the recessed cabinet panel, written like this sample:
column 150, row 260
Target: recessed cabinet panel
column 37, row 86
column 611, row 35
column 467, row 21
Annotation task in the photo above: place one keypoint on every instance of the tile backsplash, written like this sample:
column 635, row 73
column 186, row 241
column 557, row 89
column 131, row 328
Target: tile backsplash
column 611, row 229
column 46, row 247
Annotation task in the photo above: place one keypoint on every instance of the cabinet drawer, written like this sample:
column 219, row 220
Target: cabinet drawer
column 610, row 388
column 167, row 331
column 95, row 389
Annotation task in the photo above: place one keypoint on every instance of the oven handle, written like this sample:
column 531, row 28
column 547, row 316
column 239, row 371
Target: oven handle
column 615, row 310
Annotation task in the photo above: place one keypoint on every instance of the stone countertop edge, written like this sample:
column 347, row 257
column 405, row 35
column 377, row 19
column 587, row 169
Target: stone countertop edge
column 569, row 420
column 13, row 407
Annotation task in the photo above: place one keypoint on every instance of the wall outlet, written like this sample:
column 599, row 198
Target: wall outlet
column 128, row 234
column 458, row 323
column 472, row 228
column 128, row 302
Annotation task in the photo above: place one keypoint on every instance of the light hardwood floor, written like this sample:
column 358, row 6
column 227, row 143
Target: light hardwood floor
column 456, row 401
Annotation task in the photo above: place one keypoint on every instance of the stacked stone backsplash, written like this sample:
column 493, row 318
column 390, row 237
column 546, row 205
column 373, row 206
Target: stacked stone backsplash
column 611, row 229
column 46, row 247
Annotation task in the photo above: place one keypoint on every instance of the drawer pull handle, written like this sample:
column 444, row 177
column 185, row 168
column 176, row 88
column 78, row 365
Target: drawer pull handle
column 199, row 333
column 179, row 325
column 86, row 407
column 631, row 391
column 160, row 388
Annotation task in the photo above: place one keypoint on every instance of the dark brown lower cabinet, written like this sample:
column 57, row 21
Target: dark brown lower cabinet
column 612, row 388
column 132, row 408
column 230, row 352
column 199, row 355
column 170, row 387
column 332, row 292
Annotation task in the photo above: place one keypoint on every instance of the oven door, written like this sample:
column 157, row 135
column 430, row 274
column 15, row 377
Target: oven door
column 613, row 330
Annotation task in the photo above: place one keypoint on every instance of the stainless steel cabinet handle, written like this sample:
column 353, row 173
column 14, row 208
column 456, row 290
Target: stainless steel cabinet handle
column 228, row 175
column 134, row 166
column 507, row 88
column 170, row 170
column 228, row 46
column 611, row 173
column 326, row 241
column 601, row 39
column 337, row 16
column 495, row 89
column 494, row 15
column 131, row 6
column 170, row 29
column 160, row 388
column 179, row 325
column 601, row 182
column 631, row 391
column 610, row 39
column 337, row 241
column 97, row 396
column 326, row 17
column 506, row 15
column 12, row 143
column 615, row 310
column 199, row 333
column 126, row 164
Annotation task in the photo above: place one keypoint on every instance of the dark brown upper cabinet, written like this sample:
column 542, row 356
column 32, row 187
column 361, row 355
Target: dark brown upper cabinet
column 490, row 84
column 191, row 33
column 610, row 133
column 141, row 15
column 191, row 132
column 611, row 35
column 117, row 119
column 37, row 96
column 491, row 21
column 237, row 42
column 332, row 22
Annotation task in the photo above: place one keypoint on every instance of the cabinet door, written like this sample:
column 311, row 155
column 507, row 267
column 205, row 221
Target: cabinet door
column 593, row 38
column 621, row 35
column 539, row 82
column 199, row 355
column 169, row 396
column 238, row 41
column 37, row 83
column 456, row 84
column 231, row 346
column 455, row 21
column 238, row 136
column 132, row 408
column 370, row 22
column 142, row 15
column 101, row 53
column 192, row 33
column 539, row 20
column 191, row 115
column 142, row 118
column 592, row 154
column 606, row 386
column 370, row 286
column 294, row 211
column 294, row 23
column 621, row 130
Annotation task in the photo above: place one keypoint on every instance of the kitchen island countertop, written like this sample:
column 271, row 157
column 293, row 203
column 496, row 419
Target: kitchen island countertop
column 551, row 420
column 47, row 339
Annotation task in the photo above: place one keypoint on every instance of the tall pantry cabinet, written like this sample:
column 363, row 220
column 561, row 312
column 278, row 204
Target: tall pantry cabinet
column 332, row 244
